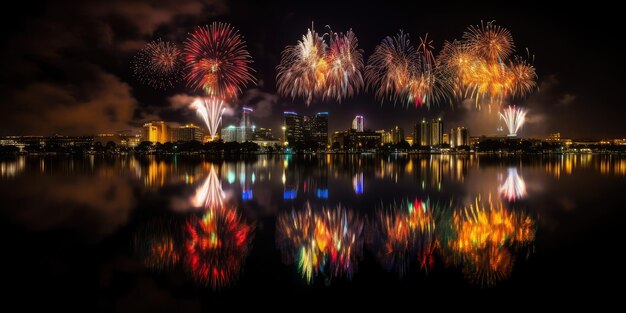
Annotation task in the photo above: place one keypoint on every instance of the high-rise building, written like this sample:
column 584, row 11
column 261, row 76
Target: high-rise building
column 187, row 132
column 317, row 128
column 229, row 133
column 436, row 132
column 459, row 137
column 246, row 129
column 385, row 136
column 263, row 134
column 155, row 132
column 397, row 135
column 358, row 123
column 294, row 128
column 422, row 133
column 446, row 139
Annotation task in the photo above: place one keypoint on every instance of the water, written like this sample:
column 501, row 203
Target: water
column 191, row 233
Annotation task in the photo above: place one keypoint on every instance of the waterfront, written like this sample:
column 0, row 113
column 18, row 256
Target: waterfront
column 124, row 232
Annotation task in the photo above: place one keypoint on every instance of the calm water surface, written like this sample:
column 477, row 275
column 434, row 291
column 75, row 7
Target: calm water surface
column 196, row 234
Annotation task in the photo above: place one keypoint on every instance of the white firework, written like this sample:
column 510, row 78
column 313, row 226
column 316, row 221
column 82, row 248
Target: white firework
column 211, row 111
column 514, row 119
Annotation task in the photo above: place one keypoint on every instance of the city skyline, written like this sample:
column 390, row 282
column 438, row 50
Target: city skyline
column 71, row 85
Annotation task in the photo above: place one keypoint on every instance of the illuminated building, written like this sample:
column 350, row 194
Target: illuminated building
column 316, row 127
column 155, row 132
column 246, row 129
column 354, row 140
column 436, row 132
column 294, row 128
column 409, row 139
column 421, row 134
column 385, row 136
column 446, row 139
column 188, row 132
column 263, row 134
column 397, row 135
column 357, row 123
column 459, row 137
column 229, row 133
column 556, row 137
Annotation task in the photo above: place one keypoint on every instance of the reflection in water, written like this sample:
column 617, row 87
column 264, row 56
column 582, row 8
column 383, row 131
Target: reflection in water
column 158, row 243
column 357, row 183
column 483, row 238
column 12, row 168
column 216, row 247
column 324, row 242
column 403, row 233
column 513, row 187
column 210, row 194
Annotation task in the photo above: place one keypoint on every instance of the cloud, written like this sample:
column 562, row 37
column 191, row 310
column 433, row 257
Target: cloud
column 261, row 102
column 566, row 100
column 102, row 104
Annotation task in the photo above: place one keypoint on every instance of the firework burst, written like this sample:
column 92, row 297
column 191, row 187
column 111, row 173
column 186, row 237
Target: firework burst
column 158, row 243
column 315, row 69
column 217, row 61
column 211, row 111
column 514, row 119
column 158, row 64
column 398, row 72
column 489, row 41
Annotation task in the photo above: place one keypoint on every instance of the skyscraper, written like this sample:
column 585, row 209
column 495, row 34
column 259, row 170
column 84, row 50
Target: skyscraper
column 357, row 123
column 246, row 129
column 317, row 126
column 436, row 132
column 424, row 134
column 294, row 128
column 459, row 137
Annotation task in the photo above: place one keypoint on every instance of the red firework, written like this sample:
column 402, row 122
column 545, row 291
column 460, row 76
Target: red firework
column 217, row 60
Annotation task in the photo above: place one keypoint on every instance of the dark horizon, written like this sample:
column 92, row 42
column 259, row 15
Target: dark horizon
column 67, row 65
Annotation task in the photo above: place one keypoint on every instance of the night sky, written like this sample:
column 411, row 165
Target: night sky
column 66, row 64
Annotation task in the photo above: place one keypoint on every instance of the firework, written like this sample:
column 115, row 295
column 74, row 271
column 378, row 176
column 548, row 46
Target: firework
column 217, row 246
column 210, row 194
column 481, row 68
column 158, row 243
column 398, row 72
column 345, row 61
column 514, row 119
column 327, row 242
column 313, row 68
column 405, row 233
column 158, row 64
column 211, row 111
column 490, row 41
column 217, row 61
column 513, row 187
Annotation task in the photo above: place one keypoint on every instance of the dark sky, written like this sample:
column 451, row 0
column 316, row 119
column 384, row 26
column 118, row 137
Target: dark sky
column 66, row 64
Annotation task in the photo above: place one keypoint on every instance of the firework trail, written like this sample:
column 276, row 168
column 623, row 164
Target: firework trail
column 210, row 194
column 396, row 71
column 217, row 61
column 217, row 246
column 158, row 64
column 514, row 119
column 211, row 111
column 327, row 242
column 315, row 69
column 513, row 187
